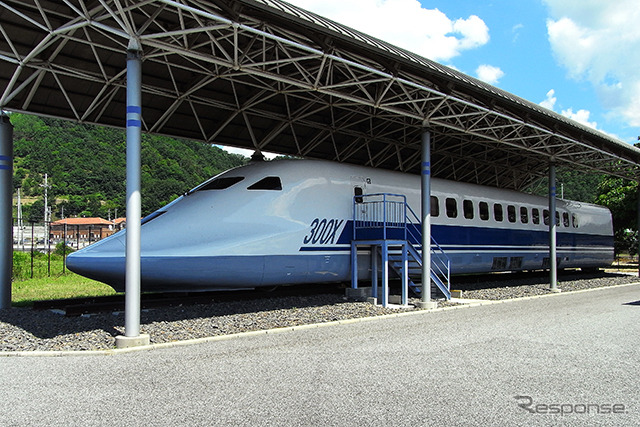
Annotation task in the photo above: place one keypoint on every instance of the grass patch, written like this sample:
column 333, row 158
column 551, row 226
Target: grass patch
column 43, row 265
column 69, row 285
column 59, row 285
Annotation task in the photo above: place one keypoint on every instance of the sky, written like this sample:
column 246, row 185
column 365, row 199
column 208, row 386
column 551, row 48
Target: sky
column 579, row 58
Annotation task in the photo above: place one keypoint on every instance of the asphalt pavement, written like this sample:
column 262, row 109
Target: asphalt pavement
column 566, row 359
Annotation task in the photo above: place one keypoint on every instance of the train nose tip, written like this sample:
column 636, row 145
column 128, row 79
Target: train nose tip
column 110, row 270
column 106, row 266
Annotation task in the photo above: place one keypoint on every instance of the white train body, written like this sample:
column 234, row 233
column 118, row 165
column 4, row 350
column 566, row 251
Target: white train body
column 291, row 221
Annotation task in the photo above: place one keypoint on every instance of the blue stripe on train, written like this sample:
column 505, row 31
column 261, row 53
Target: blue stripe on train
column 467, row 237
column 474, row 249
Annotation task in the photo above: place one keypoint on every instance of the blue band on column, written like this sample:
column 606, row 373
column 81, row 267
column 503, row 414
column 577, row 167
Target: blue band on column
column 426, row 168
column 7, row 159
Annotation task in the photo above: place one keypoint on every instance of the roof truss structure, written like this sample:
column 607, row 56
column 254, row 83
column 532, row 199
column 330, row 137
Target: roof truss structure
column 264, row 75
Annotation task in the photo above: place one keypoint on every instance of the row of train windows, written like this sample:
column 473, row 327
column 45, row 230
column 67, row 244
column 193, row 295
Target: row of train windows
column 513, row 214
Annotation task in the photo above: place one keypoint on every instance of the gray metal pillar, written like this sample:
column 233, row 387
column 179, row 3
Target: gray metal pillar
column 134, row 210
column 553, row 264
column 134, row 207
column 6, row 211
column 426, row 220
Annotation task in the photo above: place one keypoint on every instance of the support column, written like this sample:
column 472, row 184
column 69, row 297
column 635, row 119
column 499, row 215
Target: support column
column 354, row 265
column 385, row 274
column 134, row 210
column 553, row 263
column 6, row 211
column 405, row 274
column 374, row 271
column 426, row 221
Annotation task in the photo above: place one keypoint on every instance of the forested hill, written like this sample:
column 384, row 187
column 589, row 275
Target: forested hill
column 87, row 171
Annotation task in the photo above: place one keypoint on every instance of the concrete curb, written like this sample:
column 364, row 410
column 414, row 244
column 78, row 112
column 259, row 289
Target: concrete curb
column 159, row 346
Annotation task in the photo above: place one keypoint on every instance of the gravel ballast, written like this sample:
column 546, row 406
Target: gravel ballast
column 24, row 329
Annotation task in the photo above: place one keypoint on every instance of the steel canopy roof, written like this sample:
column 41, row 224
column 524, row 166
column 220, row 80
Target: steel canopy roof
column 265, row 75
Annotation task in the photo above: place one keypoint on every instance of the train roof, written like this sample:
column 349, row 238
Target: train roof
column 266, row 75
column 288, row 169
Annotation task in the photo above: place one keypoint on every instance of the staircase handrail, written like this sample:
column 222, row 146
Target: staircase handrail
column 399, row 215
column 403, row 217
column 442, row 261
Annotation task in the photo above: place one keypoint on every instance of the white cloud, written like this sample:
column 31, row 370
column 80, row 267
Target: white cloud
column 550, row 100
column 580, row 116
column 598, row 41
column 405, row 23
column 489, row 74
column 515, row 30
column 245, row 152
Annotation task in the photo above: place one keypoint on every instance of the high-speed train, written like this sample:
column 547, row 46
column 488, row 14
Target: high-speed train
column 291, row 222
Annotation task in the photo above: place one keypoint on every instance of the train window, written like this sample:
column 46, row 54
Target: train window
column 524, row 215
column 535, row 216
column 268, row 183
column 557, row 218
column 467, row 207
column 435, row 206
column 565, row 219
column 497, row 212
column 357, row 192
column 511, row 213
column 220, row 183
column 452, row 207
column 574, row 220
column 545, row 215
column 484, row 211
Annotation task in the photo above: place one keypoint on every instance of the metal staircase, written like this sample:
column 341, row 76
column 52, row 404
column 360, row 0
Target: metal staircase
column 387, row 224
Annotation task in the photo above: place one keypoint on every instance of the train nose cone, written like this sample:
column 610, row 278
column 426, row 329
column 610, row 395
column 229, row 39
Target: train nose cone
column 103, row 261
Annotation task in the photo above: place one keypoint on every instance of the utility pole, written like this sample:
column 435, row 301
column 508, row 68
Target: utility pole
column 20, row 226
column 46, row 187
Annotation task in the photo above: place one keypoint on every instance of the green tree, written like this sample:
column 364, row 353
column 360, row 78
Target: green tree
column 572, row 185
column 34, row 212
column 621, row 197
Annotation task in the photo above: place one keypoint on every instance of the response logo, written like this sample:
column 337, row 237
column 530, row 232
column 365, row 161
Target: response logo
column 526, row 403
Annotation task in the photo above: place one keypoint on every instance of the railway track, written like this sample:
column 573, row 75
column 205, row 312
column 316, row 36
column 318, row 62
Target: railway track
column 113, row 303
